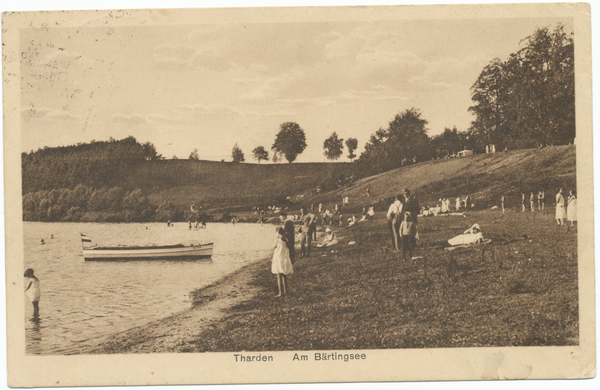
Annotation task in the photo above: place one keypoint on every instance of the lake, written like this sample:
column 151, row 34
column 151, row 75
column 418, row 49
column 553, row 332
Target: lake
column 83, row 301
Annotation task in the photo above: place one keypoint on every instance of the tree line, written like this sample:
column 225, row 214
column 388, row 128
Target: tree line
column 525, row 101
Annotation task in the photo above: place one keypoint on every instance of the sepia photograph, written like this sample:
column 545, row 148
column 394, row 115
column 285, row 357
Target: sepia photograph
column 298, row 194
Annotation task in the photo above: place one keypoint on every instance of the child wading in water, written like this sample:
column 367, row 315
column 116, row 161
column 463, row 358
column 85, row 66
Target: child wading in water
column 281, row 264
column 408, row 231
column 33, row 291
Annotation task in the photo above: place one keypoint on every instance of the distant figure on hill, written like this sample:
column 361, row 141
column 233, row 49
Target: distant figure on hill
column 33, row 292
column 305, row 238
column 532, row 202
column 541, row 201
column 290, row 234
column 457, row 205
column 281, row 265
column 502, row 202
column 522, row 202
column 560, row 208
column 368, row 192
column 394, row 216
column 407, row 232
column 320, row 208
column 572, row 207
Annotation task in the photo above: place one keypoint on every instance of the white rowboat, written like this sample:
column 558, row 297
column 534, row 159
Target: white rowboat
column 162, row 252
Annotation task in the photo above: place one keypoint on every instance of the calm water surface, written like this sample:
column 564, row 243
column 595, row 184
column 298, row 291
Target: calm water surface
column 82, row 301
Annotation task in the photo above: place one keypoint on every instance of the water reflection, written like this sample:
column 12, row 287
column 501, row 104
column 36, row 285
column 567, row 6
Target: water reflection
column 85, row 300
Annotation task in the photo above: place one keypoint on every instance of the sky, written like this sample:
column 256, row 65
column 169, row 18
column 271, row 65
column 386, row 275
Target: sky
column 210, row 86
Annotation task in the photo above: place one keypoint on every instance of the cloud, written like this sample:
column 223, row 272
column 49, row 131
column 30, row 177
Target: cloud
column 45, row 113
column 173, row 55
column 129, row 119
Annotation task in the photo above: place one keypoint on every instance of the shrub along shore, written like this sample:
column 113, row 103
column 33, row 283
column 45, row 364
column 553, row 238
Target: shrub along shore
column 518, row 290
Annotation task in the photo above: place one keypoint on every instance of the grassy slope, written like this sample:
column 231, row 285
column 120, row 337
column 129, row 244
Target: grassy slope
column 183, row 182
column 484, row 177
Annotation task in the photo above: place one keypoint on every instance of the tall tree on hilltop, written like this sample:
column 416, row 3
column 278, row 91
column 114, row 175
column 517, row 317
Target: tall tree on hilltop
column 404, row 140
column 529, row 98
column 259, row 153
column 332, row 147
column 352, row 145
column 194, row 155
column 289, row 142
column 237, row 155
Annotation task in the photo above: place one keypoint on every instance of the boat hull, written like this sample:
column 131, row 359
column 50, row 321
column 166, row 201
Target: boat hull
column 154, row 253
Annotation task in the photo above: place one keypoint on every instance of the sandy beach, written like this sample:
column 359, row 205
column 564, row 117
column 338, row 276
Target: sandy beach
column 174, row 333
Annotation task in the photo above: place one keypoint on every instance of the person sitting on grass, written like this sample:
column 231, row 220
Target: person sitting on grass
column 330, row 239
column 281, row 265
column 408, row 231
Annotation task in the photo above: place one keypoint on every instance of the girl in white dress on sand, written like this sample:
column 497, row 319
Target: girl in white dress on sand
column 281, row 264
column 33, row 291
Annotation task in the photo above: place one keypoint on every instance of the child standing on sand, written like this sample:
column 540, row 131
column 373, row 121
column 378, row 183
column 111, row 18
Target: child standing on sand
column 408, row 231
column 33, row 291
column 281, row 264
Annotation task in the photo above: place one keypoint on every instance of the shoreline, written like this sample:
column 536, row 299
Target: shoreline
column 174, row 332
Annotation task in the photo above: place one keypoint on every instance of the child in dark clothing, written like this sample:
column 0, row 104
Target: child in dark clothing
column 408, row 231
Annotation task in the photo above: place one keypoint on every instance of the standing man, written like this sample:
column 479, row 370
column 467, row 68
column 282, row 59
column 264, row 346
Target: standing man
column 368, row 192
column 522, row 202
column 290, row 234
column 305, row 237
column 412, row 206
column 541, row 200
column 394, row 216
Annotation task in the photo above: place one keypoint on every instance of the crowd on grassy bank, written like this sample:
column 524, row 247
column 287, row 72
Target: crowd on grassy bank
column 519, row 289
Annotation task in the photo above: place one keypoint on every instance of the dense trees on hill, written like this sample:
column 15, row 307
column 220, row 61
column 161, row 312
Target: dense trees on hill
column 529, row 99
column 97, row 164
column 404, row 140
column 525, row 101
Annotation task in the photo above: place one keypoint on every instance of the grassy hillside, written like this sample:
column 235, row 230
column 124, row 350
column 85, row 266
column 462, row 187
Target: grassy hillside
column 484, row 177
column 221, row 184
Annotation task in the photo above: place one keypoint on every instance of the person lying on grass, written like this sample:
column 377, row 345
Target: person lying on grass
column 472, row 235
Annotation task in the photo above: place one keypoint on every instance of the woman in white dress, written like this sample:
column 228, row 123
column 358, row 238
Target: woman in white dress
column 572, row 207
column 560, row 208
column 281, row 265
column 458, row 204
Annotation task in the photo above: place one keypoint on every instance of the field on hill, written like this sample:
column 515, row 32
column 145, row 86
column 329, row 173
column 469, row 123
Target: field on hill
column 485, row 177
column 521, row 289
